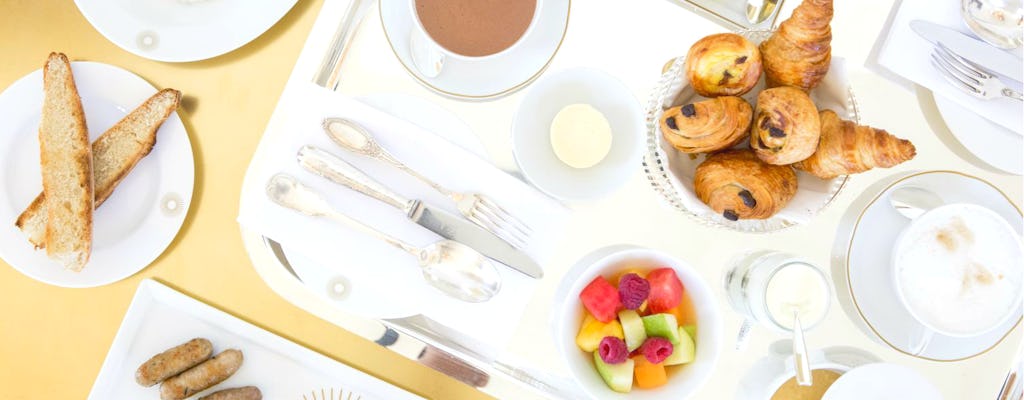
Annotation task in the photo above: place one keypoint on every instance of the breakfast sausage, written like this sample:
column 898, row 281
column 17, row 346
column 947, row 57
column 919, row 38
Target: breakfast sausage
column 173, row 361
column 202, row 376
column 242, row 393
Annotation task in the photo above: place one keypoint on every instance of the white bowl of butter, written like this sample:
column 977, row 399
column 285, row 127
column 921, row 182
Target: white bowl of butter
column 578, row 134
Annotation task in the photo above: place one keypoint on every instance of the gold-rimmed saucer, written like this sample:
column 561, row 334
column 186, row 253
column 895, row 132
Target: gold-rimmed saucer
column 861, row 254
column 490, row 78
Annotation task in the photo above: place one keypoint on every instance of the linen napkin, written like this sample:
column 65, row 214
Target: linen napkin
column 907, row 55
column 376, row 273
column 832, row 93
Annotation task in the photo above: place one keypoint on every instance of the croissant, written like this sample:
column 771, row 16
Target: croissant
column 723, row 64
column 799, row 52
column 738, row 185
column 786, row 126
column 847, row 148
column 708, row 125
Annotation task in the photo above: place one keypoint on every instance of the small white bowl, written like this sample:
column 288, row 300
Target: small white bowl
column 683, row 380
column 531, row 139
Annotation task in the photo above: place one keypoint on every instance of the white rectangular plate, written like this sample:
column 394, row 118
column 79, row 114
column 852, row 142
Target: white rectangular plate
column 160, row 317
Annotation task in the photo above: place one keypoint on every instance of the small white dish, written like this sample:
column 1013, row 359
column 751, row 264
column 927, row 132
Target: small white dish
column 160, row 317
column 531, row 138
column 993, row 144
column 134, row 226
column 882, row 381
column 490, row 77
column 182, row 30
column 861, row 264
column 683, row 380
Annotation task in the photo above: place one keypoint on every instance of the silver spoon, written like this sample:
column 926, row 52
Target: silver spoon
column 449, row 266
column 803, row 365
column 912, row 201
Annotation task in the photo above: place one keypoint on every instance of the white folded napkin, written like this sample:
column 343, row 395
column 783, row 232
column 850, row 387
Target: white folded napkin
column 832, row 93
column 908, row 55
column 372, row 268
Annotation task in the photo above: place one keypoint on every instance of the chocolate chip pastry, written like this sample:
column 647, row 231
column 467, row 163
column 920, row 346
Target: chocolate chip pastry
column 738, row 185
column 724, row 64
column 707, row 126
column 786, row 127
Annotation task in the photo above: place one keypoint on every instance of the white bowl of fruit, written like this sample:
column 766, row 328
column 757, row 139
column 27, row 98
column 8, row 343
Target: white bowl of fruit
column 637, row 323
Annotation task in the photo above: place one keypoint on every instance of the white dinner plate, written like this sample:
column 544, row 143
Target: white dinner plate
column 493, row 77
column 862, row 255
column 143, row 215
column 995, row 145
column 322, row 279
column 160, row 318
column 182, row 30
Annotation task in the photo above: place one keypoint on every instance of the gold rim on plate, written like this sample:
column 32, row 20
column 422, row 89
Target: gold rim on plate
column 849, row 247
column 513, row 89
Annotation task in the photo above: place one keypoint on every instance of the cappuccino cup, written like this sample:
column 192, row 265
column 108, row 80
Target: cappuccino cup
column 958, row 269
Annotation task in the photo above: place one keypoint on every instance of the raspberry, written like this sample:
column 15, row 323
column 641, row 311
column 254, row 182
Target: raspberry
column 612, row 350
column 656, row 349
column 633, row 290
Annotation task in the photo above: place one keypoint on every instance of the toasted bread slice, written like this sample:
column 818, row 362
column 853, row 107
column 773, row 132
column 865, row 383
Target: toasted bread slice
column 66, row 160
column 114, row 154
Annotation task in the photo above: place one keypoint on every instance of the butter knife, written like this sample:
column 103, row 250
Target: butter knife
column 978, row 52
column 438, row 221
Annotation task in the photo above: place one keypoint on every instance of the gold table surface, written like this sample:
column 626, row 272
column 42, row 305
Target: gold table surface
column 53, row 340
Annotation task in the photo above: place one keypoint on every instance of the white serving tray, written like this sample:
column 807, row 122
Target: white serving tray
column 160, row 317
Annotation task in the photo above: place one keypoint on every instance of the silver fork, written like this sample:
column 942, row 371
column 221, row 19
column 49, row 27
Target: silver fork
column 476, row 207
column 969, row 77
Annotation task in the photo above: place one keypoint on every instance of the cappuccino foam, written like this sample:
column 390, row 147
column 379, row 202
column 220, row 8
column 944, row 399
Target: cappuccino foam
column 960, row 269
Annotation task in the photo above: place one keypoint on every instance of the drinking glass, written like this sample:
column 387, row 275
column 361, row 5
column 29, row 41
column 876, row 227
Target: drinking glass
column 998, row 22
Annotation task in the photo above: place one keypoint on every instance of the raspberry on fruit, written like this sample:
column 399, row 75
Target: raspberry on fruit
column 612, row 350
column 633, row 290
column 656, row 349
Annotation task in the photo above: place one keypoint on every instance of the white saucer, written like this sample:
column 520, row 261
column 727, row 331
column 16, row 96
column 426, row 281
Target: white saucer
column 182, row 30
column 134, row 226
column 861, row 262
column 995, row 145
column 494, row 77
column 428, row 116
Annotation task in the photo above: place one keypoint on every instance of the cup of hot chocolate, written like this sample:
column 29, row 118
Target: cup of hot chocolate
column 958, row 269
column 472, row 30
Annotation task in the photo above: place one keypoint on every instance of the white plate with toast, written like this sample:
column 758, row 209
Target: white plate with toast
column 143, row 214
column 160, row 318
column 182, row 30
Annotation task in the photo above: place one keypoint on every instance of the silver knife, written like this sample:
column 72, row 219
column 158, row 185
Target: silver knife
column 978, row 52
column 438, row 221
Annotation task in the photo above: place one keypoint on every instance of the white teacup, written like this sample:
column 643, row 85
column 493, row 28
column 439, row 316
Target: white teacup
column 430, row 57
column 958, row 270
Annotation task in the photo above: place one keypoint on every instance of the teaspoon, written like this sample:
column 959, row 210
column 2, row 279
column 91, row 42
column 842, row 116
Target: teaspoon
column 912, row 201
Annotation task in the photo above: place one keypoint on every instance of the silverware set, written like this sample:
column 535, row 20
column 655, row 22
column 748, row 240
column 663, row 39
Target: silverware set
column 969, row 77
column 476, row 207
column 457, row 266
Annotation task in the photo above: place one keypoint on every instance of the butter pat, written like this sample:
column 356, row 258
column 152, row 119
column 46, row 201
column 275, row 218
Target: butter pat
column 580, row 136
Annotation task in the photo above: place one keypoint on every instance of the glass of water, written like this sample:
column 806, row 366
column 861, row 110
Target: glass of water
column 998, row 22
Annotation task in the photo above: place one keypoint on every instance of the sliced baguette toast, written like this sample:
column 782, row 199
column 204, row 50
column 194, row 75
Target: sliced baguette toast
column 114, row 154
column 66, row 161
